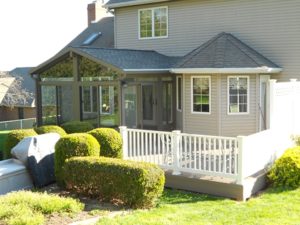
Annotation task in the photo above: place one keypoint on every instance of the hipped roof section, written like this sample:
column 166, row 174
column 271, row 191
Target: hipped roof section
column 225, row 52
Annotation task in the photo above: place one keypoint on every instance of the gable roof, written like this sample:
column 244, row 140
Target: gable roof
column 111, row 4
column 225, row 51
column 105, row 26
column 122, row 60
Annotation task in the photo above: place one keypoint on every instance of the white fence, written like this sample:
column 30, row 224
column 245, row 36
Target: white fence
column 236, row 158
column 17, row 124
column 284, row 106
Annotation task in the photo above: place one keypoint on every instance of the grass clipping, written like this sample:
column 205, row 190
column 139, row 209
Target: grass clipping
column 25, row 207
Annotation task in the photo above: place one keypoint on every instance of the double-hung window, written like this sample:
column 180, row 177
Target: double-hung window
column 238, row 95
column 201, row 89
column 153, row 23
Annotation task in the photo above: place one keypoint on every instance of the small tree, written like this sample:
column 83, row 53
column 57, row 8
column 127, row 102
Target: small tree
column 16, row 95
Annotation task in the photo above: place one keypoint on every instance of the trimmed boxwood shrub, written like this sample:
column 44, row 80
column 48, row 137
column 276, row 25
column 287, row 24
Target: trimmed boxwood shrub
column 135, row 184
column 77, row 127
column 49, row 129
column 14, row 137
column 79, row 144
column 286, row 170
column 110, row 141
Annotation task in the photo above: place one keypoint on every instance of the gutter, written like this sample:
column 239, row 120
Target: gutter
column 132, row 3
column 135, row 71
column 226, row 70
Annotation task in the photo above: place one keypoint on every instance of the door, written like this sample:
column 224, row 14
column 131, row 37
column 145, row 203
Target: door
column 264, row 79
column 130, row 106
column 148, row 102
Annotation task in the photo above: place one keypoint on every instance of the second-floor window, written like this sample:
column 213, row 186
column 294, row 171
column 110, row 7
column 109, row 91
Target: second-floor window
column 153, row 23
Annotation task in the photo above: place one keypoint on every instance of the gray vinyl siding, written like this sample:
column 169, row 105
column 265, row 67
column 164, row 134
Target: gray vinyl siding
column 270, row 26
column 219, row 122
column 234, row 125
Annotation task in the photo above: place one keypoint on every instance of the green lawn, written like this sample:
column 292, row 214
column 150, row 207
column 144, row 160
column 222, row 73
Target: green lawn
column 3, row 136
column 177, row 207
column 30, row 208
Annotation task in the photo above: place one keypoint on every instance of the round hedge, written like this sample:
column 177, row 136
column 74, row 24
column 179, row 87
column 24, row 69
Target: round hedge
column 79, row 144
column 110, row 141
column 77, row 127
column 286, row 170
column 14, row 137
column 135, row 184
column 50, row 129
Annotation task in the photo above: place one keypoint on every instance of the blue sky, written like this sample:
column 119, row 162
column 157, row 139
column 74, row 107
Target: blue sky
column 32, row 31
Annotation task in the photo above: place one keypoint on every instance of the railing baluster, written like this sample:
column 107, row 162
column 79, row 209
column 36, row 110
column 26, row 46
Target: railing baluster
column 195, row 152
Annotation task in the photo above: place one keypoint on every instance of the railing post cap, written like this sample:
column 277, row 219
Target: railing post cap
column 122, row 127
column 176, row 131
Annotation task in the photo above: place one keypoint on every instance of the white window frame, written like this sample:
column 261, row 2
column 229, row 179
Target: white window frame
column 110, row 99
column 248, row 95
column 91, row 99
column 153, row 24
column 192, row 95
column 177, row 90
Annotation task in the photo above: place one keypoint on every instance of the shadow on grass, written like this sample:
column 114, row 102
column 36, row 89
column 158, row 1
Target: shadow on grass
column 171, row 196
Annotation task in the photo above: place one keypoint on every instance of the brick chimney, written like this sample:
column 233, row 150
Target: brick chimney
column 96, row 11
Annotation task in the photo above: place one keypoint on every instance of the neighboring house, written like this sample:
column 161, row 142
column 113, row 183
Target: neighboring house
column 20, row 109
column 198, row 66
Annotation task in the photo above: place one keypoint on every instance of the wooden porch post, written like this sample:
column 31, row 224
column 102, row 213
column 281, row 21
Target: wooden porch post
column 76, row 101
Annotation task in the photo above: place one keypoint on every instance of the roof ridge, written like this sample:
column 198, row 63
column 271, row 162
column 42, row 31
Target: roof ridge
column 249, row 54
column 241, row 49
column 205, row 45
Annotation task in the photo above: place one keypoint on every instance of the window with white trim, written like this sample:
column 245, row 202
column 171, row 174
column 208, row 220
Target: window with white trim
column 89, row 99
column 153, row 22
column 201, row 87
column 106, row 99
column 179, row 93
column 238, row 94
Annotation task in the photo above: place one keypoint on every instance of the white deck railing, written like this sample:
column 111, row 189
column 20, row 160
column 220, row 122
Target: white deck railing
column 180, row 152
column 236, row 158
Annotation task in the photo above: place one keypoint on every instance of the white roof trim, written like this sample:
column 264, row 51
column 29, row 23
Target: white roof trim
column 131, row 3
column 145, row 70
column 227, row 70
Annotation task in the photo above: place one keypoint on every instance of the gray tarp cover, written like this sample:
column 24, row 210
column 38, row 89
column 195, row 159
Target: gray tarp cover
column 39, row 151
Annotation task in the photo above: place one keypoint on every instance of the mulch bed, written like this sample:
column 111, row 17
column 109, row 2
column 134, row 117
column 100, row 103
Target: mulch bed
column 93, row 207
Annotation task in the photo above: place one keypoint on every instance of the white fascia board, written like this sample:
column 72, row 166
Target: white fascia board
column 131, row 3
column 227, row 70
column 145, row 70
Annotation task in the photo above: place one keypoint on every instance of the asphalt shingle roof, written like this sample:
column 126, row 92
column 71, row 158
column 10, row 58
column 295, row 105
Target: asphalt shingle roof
column 105, row 40
column 224, row 51
column 27, row 83
column 131, row 2
column 126, row 59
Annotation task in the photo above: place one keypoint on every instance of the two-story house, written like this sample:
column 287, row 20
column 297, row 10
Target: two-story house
column 200, row 66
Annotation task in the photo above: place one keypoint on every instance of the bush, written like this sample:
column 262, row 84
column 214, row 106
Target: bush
column 50, row 129
column 79, row 144
column 3, row 137
column 286, row 170
column 77, row 127
column 135, row 184
column 14, row 137
column 110, row 141
column 296, row 139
